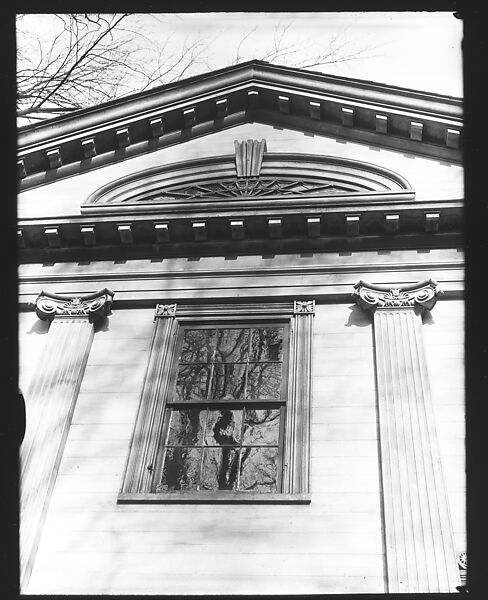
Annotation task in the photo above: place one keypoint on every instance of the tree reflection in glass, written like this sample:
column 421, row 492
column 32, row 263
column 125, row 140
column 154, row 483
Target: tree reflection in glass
column 231, row 441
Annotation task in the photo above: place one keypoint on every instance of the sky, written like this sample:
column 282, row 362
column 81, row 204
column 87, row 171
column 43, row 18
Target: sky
column 417, row 50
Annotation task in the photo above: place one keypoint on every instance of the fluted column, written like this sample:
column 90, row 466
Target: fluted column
column 51, row 400
column 420, row 554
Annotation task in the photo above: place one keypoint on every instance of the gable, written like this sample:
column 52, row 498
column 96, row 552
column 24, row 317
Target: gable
column 346, row 162
column 364, row 112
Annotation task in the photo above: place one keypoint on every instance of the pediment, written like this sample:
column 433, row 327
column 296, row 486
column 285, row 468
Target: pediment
column 364, row 112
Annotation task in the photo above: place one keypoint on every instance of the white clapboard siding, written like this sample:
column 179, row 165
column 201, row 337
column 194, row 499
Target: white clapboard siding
column 343, row 340
column 108, row 407
column 91, row 544
column 110, row 582
column 336, row 390
column 344, row 414
column 129, row 324
column 113, row 378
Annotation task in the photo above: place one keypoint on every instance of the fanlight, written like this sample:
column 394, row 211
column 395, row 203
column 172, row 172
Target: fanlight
column 215, row 180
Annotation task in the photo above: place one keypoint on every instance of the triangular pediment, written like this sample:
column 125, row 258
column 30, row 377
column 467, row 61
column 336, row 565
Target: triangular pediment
column 254, row 92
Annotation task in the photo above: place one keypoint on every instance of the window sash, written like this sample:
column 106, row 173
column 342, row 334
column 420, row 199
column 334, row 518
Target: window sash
column 236, row 406
column 238, row 324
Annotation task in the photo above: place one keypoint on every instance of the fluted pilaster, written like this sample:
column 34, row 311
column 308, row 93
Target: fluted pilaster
column 145, row 452
column 297, row 443
column 51, row 400
column 420, row 553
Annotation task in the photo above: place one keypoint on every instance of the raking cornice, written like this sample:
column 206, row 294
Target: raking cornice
column 362, row 111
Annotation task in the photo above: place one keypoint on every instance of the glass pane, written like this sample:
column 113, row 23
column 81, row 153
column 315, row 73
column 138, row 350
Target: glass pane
column 186, row 427
column 232, row 345
column 266, row 344
column 258, row 471
column 198, row 345
column 228, row 382
column 264, row 381
column 180, row 469
column 261, row 427
column 192, row 383
column 223, row 428
column 219, row 471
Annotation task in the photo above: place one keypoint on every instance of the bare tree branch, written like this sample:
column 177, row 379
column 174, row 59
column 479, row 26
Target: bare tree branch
column 87, row 59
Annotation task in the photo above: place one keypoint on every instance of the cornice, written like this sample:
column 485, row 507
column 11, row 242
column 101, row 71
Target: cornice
column 274, row 224
column 421, row 296
column 250, row 71
column 426, row 124
column 94, row 306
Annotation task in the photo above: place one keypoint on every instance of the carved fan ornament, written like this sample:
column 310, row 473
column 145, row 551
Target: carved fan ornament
column 253, row 186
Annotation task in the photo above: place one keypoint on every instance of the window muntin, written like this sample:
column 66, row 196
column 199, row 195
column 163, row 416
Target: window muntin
column 224, row 421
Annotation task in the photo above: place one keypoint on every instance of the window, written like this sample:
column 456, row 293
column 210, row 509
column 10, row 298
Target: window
column 225, row 409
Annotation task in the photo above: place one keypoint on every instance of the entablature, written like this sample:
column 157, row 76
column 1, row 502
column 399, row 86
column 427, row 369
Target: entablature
column 312, row 225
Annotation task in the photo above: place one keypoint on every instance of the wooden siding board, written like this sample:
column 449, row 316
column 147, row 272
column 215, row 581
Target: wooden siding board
column 451, row 446
column 349, row 448
column 344, row 414
column 109, row 583
column 128, row 324
column 119, row 351
column 109, row 378
column 336, row 390
column 100, row 465
column 331, row 532
column 109, row 407
column 89, row 432
column 341, row 340
column 302, row 544
column 107, row 447
column 343, row 431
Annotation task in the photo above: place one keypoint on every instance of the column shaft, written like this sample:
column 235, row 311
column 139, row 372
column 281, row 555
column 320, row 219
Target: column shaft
column 52, row 398
column 420, row 551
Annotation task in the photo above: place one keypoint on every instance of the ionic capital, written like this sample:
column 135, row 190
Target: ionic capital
column 94, row 306
column 422, row 295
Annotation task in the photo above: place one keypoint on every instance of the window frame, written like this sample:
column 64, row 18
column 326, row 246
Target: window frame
column 145, row 448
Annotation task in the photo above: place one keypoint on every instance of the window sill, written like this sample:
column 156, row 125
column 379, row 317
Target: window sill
column 213, row 498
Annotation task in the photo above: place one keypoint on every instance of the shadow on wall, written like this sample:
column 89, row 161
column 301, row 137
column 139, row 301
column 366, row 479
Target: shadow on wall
column 102, row 325
column 39, row 327
column 357, row 317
